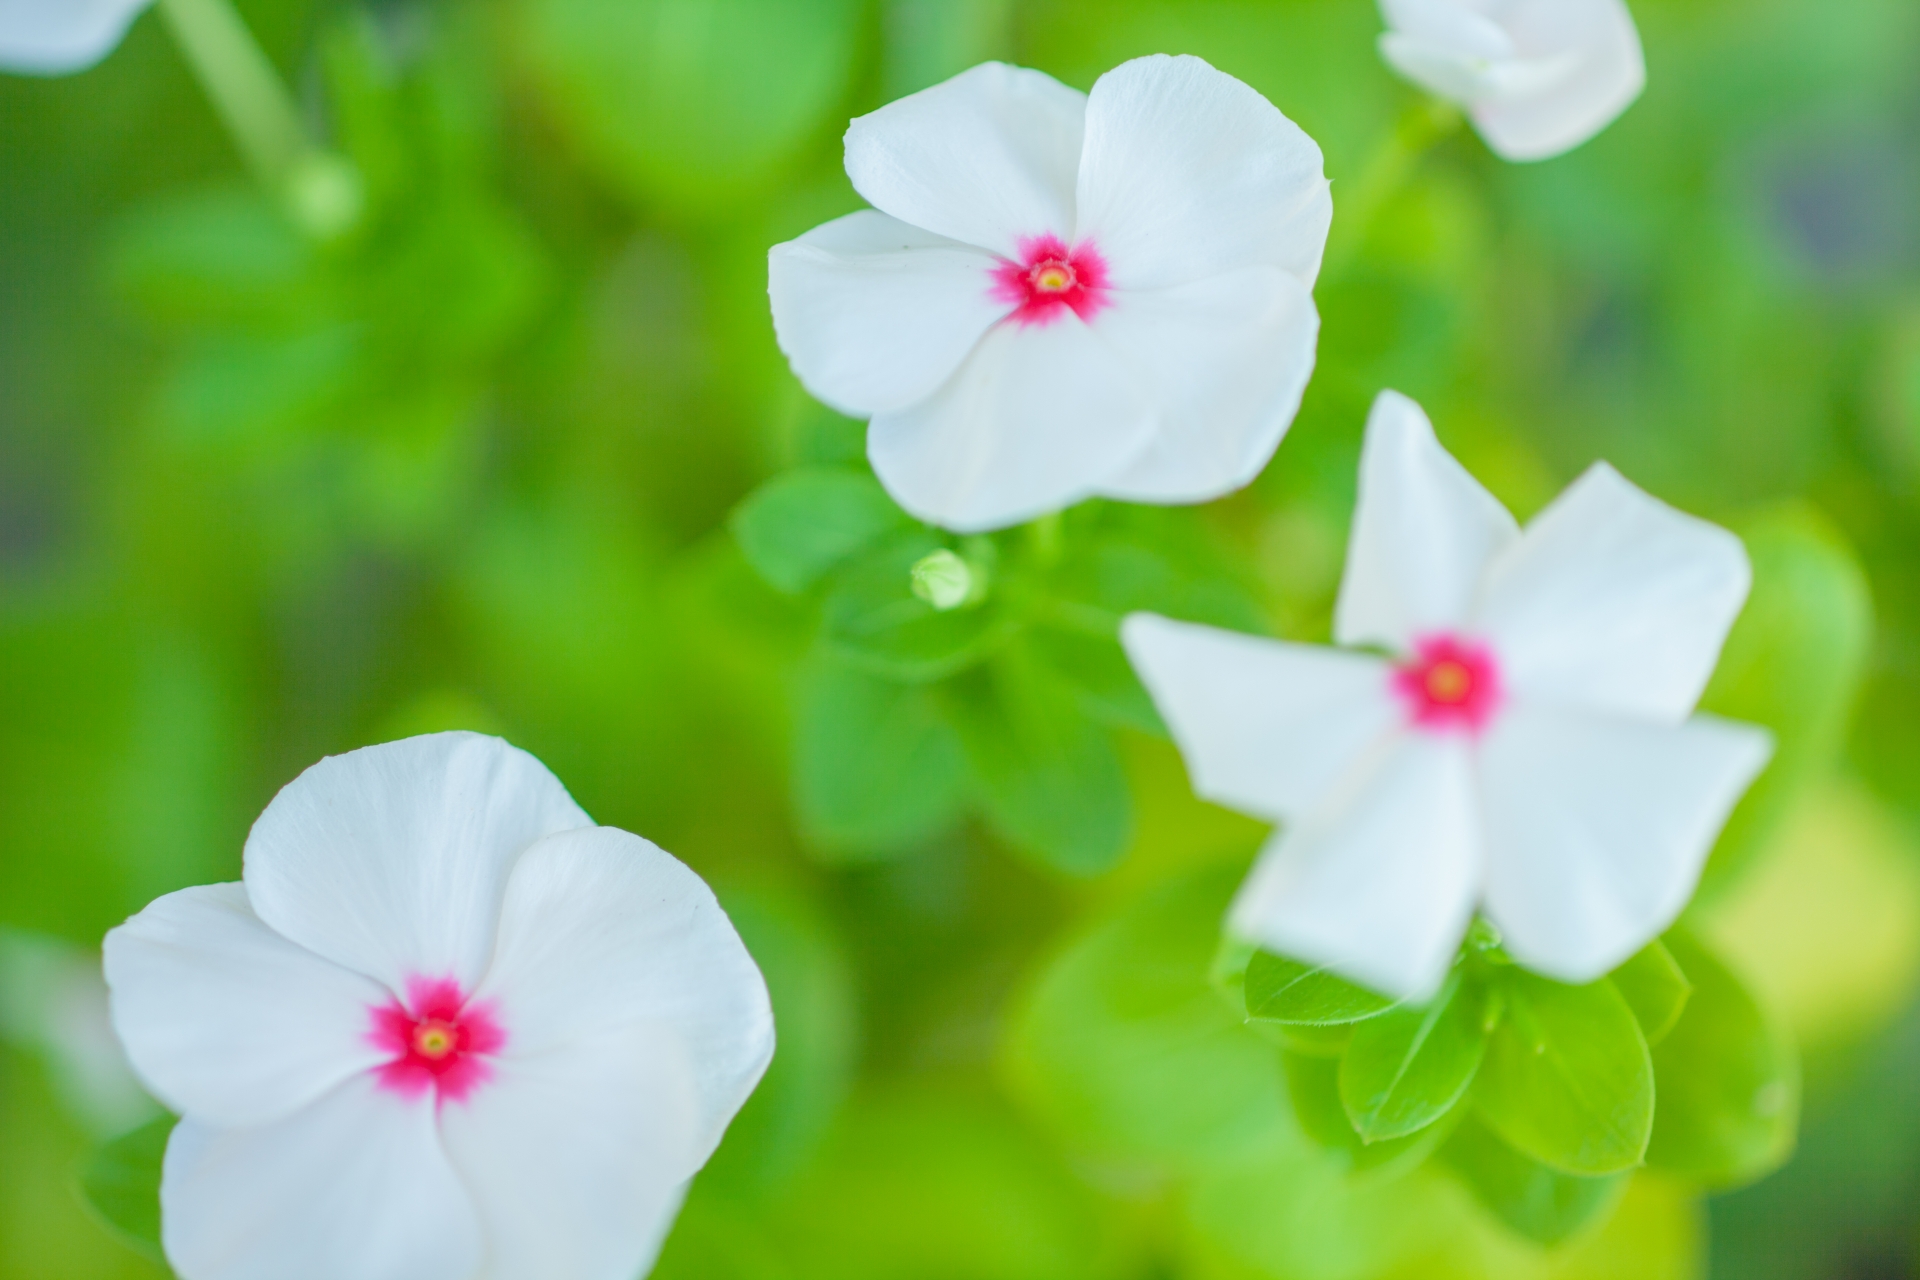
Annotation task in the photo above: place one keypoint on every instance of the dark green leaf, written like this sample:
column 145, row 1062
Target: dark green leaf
column 1728, row 1080
column 1049, row 778
column 876, row 768
column 122, row 1181
column 1097, row 669
column 1313, row 1086
column 1407, row 1067
column 1283, row 990
column 1654, row 987
column 1567, row 1079
column 1539, row 1203
column 799, row 525
column 875, row 619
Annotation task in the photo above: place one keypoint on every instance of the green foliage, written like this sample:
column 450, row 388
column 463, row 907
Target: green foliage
column 1286, row 991
column 1409, row 1066
column 876, row 620
column 799, row 525
column 1655, row 988
column 1542, row 1204
column 121, row 1181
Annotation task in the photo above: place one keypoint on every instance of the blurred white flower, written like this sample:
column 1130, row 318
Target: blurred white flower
column 1527, row 749
column 444, row 1028
column 52, row 37
column 1063, row 294
column 53, row 1002
column 1538, row 77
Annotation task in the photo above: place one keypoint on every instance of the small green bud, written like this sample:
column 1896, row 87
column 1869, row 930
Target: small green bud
column 945, row 581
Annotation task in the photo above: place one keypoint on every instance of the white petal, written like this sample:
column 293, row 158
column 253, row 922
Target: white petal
column 1189, row 173
column 1461, row 79
column 601, row 930
column 875, row 314
column 988, row 158
column 1614, row 601
column 391, row 860
column 355, row 1184
column 1608, row 75
column 575, row 1156
column 1379, row 883
column 226, row 1020
column 1448, row 26
column 1036, row 419
column 1227, row 360
column 1423, row 532
column 1265, row 727
column 1597, row 828
column 52, row 37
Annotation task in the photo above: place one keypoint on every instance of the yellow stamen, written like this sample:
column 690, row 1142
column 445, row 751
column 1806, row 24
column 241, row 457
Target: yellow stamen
column 433, row 1039
column 1449, row 682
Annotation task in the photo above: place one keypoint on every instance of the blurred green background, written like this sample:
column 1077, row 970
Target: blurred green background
column 264, row 499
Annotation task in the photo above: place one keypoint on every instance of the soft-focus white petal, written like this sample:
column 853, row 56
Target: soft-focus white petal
column 1379, row 883
column 226, row 1020
column 52, row 37
column 353, row 1185
column 1423, row 532
column 576, row 1156
column 1448, row 26
column 1035, row 420
column 1608, row 74
column 1189, row 173
column 1614, row 601
column 391, row 860
column 1266, row 727
column 988, row 158
column 1597, row 828
column 601, row 930
column 1227, row 360
column 1469, row 79
column 875, row 314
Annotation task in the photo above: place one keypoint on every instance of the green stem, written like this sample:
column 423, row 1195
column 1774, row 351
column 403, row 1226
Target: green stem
column 1420, row 127
column 245, row 89
column 1044, row 536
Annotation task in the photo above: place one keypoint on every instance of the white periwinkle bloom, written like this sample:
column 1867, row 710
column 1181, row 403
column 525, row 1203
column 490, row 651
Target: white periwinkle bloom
column 1528, row 749
column 53, row 37
column 1060, row 295
column 1537, row 77
column 444, row 1029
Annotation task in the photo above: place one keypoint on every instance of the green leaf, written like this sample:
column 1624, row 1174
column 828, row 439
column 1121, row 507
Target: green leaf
column 874, row 618
column 1097, row 669
column 692, row 101
column 1050, row 780
column 1313, row 1086
column 122, row 1181
column 1793, row 664
column 1654, row 988
column 1407, row 1067
column 876, row 768
column 797, row 526
column 1283, row 990
column 1542, row 1204
column 1728, row 1080
column 1567, row 1078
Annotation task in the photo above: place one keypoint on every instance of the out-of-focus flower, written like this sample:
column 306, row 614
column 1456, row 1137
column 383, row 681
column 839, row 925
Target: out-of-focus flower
column 1528, row 748
column 444, row 1028
column 1538, row 77
column 53, row 37
column 1060, row 295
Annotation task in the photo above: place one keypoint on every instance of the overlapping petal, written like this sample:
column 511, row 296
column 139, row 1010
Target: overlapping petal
column 52, row 37
column 602, row 931
column 874, row 314
column 1226, row 360
column 1424, row 532
column 1614, row 601
column 1607, row 71
column 226, row 1020
column 988, row 158
column 354, row 1184
column 1035, row 420
column 1597, row 828
column 392, row 860
column 1189, row 173
column 1379, row 882
column 1461, row 30
column 1267, row 727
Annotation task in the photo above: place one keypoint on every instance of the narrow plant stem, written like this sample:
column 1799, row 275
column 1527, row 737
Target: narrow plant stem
column 245, row 88
column 1044, row 535
column 1420, row 127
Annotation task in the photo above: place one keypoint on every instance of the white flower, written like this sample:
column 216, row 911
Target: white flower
column 52, row 37
column 1538, row 77
column 444, row 1029
column 1527, row 749
column 1064, row 295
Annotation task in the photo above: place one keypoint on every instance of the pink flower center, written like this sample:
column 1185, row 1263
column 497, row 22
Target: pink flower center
column 1450, row 684
column 1050, row 280
column 440, row 1041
